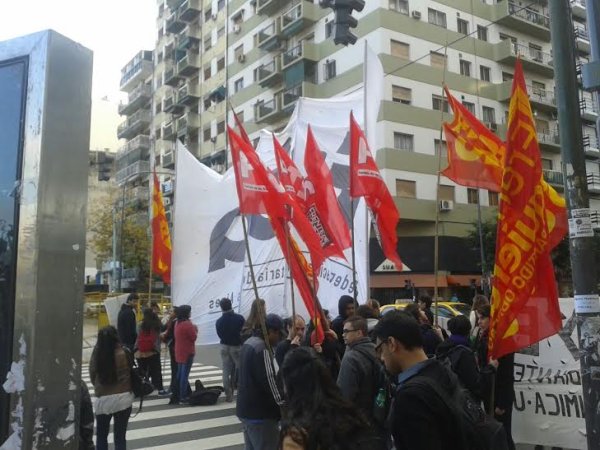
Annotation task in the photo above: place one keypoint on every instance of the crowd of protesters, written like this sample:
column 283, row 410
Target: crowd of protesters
column 372, row 382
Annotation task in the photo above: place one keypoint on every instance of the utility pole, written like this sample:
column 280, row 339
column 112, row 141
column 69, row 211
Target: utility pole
column 581, row 234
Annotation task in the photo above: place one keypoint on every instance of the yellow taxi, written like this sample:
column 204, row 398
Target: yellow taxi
column 446, row 310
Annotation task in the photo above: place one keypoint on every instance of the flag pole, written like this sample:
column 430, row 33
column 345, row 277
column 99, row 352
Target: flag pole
column 353, row 252
column 484, row 284
column 436, row 243
column 152, row 175
column 367, row 223
column 288, row 244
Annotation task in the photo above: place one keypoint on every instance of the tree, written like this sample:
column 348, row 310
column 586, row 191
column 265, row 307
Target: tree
column 135, row 226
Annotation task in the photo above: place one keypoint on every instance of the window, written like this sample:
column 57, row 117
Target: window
column 238, row 18
column 470, row 106
column 220, row 5
column 504, row 37
column 220, row 32
column 547, row 164
column 493, row 198
column 440, row 146
column 239, row 50
column 439, row 103
column 482, row 33
column 401, row 95
column 465, row 68
column 328, row 29
column 542, row 126
column 436, row 17
column 399, row 5
column 507, row 76
column 207, row 42
column 206, row 134
column 472, row 196
column 208, row 14
column 446, row 193
column 538, row 88
column 535, row 52
column 220, row 64
column 437, row 60
column 238, row 85
column 207, row 103
column 404, row 142
column 406, row 188
column 462, row 26
column 400, row 49
column 329, row 69
column 484, row 73
column 221, row 127
column 207, row 73
column 489, row 114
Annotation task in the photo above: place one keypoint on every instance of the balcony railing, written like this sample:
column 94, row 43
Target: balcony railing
column 588, row 107
column 139, row 168
column 554, row 177
column 548, row 137
column 591, row 146
column 595, row 218
column 128, row 129
column 292, row 55
column 268, row 37
column 270, row 73
column 143, row 91
column 593, row 182
column 141, row 141
column 532, row 53
column 528, row 14
column 541, row 95
column 290, row 96
column 265, row 109
column 581, row 33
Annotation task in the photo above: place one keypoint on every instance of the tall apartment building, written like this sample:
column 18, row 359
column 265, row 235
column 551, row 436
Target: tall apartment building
column 262, row 55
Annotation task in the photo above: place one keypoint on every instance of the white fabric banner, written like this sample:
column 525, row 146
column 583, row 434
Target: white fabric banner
column 548, row 407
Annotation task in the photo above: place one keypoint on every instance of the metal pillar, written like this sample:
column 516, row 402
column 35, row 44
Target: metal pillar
column 581, row 234
column 49, row 241
column 591, row 72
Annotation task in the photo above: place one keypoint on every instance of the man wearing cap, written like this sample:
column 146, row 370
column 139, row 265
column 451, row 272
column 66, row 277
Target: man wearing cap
column 259, row 396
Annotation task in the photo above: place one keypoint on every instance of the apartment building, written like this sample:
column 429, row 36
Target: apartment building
column 260, row 56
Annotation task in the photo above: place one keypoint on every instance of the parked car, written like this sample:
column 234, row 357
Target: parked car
column 446, row 310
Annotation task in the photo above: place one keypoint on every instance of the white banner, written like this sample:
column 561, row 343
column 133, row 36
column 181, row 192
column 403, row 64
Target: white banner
column 548, row 407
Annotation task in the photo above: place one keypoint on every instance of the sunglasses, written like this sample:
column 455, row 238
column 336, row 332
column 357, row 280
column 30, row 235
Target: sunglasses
column 378, row 346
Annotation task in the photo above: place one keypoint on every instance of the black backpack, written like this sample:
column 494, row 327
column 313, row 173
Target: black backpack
column 479, row 431
column 203, row 396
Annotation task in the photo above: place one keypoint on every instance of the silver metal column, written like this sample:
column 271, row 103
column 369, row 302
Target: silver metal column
column 51, row 201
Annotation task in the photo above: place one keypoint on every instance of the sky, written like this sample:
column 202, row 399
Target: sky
column 115, row 30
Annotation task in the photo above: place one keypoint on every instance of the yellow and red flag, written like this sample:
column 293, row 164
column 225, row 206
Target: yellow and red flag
column 161, row 237
column 530, row 223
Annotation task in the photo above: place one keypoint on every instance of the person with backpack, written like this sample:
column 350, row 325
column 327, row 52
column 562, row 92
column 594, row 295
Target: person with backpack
column 185, row 349
column 317, row 416
column 362, row 377
column 148, row 349
column 420, row 418
column 126, row 322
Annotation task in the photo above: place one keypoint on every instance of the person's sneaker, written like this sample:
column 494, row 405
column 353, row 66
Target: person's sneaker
column 184, row 401
column 163, row 392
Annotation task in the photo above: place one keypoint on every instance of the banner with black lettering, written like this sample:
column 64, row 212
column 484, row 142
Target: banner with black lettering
column 548, row 408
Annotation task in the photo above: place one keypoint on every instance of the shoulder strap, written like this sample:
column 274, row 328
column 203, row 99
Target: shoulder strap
column 140, row 408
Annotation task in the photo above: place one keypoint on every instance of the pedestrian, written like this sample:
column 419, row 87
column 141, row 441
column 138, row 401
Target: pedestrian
column 185, row 350
column 229, row 329
column 370, row 315
column 168, row 337
column 110, row 373
column 375, row 306
column 432, row 337
column 296, row 328
column 346, row 308
column 148, row 349
column 317, row 416
column 257, row 310
column 503, row 382
column 360, row 376
column 419, row 418
column 478, row 302
column 425, row 305
column 259, row 396
column 126, row 322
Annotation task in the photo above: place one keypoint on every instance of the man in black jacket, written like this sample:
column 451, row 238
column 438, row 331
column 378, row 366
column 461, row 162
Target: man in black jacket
column 259, row 396
column 420, row 418
column 126, row 323
column 229, row 328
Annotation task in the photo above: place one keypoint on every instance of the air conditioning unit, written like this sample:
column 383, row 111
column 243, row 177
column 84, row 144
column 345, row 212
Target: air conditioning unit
column 416, row 15
column 237, row 29
column 167, row 201
column 241, row 58
column 491, row 125
column 446, row 205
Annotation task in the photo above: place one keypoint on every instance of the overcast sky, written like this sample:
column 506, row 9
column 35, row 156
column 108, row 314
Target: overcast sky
column 115, row 30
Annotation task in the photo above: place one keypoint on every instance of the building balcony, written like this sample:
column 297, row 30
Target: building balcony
column 168, row 130
column 139, row 169
column 591, row 147
column 541, row 99
column 171, row 105
column 190, row 10
column 595, row 217
column 174, row 23
column 582, row 40
column 168, row 160
column 526, row 20
column 593, row 182
column 268, row 111
column 270, row 74
column 137, row 196
column 578, row 8
column 174, row 4
column 136, row 73
column 188, row 123
column 138, row 98
column 549, row 140
column 532, row 59
column 171, row 77
column 188, row 94
column 299, row 17
column 134, row 124
column 266, row 7
column 189, row 65
column 268, row 37
column 139, row 144
column 305, row 51
column 290, row 96
column 554, row 178
column 185, row 43
column 588, row 109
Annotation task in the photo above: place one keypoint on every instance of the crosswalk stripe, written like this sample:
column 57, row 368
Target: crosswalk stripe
column 221, row 442
column 180, row 410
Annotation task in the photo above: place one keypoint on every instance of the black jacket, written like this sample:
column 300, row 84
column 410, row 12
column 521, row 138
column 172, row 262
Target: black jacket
column 504, row 392
column 430, row 340
column 419, row 418
column 282, row 349
column 229, row 328
column 259, row 395
column 464, row 365
column 126, row 326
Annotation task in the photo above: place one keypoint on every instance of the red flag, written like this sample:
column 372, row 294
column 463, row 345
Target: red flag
column 161, row 239
column 366, row 181
column 242, row 130
column 320, row 195
column 525, row 306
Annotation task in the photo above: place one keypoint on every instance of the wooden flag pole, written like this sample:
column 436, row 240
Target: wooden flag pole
column 354, row 287
column 289, row 247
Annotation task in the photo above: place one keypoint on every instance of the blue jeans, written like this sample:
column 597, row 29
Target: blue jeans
column 230, row 355
column 120, row 429
column 260, row 434
column 183, row 373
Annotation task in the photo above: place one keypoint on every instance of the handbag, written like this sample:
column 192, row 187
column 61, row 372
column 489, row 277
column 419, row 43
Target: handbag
column 140, row 385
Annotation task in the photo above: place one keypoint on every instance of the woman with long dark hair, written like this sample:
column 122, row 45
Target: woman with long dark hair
column 148, row 349
column 317, row 416
column 258, row 312
column 110, row 373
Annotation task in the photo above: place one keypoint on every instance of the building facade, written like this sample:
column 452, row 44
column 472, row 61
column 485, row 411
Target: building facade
column 260, row 56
